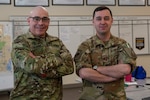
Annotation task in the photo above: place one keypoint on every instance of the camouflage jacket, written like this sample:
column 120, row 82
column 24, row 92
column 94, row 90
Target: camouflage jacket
column 39, row 78
column 92, row 52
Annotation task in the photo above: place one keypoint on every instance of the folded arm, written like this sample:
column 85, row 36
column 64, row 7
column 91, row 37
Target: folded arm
column 94, row 76
column 51, row 65
column 115, row 71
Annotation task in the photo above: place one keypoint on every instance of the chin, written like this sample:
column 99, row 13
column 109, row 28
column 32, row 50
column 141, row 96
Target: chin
column 102, row 33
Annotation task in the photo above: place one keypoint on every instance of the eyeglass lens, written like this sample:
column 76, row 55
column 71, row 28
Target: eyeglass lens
column 37, row 19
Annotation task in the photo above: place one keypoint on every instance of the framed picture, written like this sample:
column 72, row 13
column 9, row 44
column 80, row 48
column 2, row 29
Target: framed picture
column 67, row 2
column 131, row 2
column 101, row 2
column 28, row 3
column 5, row 2
column 148, row 2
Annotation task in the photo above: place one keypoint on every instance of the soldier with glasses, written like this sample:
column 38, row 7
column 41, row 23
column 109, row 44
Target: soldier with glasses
column 40, row 60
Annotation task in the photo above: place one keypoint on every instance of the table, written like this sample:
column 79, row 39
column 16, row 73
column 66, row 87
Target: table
column 138, row 91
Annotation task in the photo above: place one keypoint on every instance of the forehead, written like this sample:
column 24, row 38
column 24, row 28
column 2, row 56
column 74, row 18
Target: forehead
column 39, row 12
column 102, row 13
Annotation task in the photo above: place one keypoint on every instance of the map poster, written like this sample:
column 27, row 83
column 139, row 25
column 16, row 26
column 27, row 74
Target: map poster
column 6, row 68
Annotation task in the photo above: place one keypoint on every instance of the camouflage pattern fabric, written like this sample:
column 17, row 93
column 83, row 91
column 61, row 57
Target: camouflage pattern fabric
column 39, row 78
column 95, row 52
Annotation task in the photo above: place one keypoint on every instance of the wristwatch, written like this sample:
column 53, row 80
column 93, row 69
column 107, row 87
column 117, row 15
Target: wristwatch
column 95, row 67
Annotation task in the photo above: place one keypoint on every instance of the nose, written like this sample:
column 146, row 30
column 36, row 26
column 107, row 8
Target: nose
column 102, row 21
column 40, row 21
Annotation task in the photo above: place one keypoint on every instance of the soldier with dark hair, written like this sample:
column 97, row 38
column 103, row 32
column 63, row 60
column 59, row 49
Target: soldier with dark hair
column 40, row 60
column 103, row 60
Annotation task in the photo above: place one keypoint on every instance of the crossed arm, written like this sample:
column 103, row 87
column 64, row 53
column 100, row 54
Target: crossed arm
column 51, row 64
column 105, row 74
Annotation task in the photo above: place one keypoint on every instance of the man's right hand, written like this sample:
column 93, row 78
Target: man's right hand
column 32, row 55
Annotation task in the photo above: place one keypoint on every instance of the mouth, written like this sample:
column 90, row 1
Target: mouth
column 102, row 28
column 40, row 28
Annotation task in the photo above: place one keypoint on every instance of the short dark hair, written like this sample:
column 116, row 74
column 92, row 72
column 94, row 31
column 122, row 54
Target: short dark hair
column 102, row 8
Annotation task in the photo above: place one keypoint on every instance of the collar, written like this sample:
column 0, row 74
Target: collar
column 30, row 35
column 111, row 42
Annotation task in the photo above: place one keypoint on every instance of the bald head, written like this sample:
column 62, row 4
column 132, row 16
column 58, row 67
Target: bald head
column 39, row 10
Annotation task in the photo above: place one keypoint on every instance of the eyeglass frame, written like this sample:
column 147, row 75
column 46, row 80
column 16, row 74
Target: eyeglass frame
column 38, row 19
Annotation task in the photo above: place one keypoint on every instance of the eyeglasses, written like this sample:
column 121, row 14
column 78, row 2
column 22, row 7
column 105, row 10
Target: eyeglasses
column 37, row 19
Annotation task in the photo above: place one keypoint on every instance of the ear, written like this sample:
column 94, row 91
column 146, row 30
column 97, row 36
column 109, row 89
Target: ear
column 112, row 20
column 93, row 21
column 28, row 20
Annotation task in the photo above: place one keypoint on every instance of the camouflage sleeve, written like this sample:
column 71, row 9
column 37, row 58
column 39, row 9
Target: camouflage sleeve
column 127, row 55
column 46, row 65
column 82, row 57
column 61, row 64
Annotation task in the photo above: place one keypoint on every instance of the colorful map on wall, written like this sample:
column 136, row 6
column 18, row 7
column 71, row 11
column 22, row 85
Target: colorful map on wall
column 6, row 68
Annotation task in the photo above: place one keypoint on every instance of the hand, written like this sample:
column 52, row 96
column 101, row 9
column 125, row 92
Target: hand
column 32, row 55
column 54, row 60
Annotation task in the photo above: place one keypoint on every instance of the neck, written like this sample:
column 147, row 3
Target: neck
column 104, row 38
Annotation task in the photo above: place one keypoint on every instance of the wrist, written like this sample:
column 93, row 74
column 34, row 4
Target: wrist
column 95, row 67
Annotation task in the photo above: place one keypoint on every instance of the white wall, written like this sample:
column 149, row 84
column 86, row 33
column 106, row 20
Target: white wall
column 10, row 10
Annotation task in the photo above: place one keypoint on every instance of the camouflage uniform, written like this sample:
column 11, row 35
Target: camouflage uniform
column 92, row 52
column 39, row 78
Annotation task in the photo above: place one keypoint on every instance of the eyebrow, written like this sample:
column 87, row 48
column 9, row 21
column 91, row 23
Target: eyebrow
column 102, row 17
